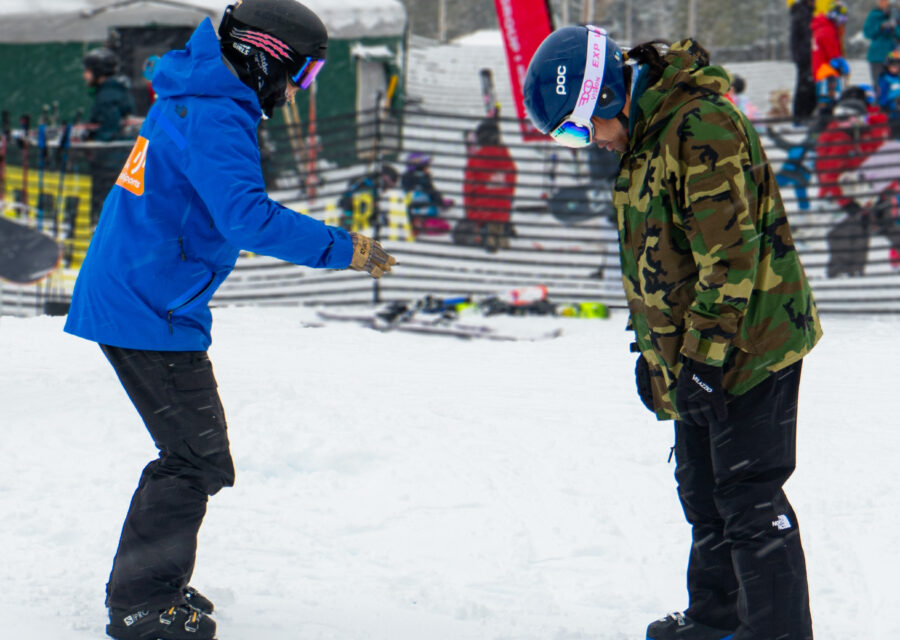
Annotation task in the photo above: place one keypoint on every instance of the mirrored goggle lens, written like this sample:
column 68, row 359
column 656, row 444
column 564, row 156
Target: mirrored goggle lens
column 307, row 73
column 570, row 134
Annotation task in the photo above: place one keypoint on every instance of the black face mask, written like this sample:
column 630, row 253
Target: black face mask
column 259, row 71
column 271, row 82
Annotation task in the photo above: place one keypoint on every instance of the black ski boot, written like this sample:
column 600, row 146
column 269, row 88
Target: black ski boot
column 175, row 623
column 677, row 626
column 196, row 600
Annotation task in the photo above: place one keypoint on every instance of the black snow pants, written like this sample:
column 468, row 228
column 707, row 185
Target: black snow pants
column 746, row 569
column 176, row 394
column 804, row 104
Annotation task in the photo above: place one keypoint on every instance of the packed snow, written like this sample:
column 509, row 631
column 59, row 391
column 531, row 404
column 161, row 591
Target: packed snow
column 393, row 486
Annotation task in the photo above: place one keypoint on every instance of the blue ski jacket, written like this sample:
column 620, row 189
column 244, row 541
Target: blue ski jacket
column 189, row 197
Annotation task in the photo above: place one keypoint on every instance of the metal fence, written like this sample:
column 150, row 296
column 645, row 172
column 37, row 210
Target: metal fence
column 506, row 214
column 556, row 228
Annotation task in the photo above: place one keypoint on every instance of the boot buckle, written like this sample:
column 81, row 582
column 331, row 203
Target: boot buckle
column 168, row 616
column 192, row 624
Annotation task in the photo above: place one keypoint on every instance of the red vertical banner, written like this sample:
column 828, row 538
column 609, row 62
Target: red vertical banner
column 524, row 25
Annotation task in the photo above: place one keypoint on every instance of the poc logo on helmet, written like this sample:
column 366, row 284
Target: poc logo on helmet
column 561, row 80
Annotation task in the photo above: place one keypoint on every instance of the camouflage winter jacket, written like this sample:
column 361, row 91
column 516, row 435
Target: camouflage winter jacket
column 708, row 261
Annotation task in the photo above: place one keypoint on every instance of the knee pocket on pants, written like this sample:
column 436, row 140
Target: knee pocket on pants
column 199, row 410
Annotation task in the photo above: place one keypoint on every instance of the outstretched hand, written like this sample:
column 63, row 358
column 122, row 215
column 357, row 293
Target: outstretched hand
column 370, row 256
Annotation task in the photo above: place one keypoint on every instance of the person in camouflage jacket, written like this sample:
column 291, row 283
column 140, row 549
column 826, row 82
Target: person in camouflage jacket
column 720, row 307
column 708, row 262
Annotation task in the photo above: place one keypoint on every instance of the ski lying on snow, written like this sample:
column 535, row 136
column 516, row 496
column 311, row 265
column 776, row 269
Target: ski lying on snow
column 437, row 325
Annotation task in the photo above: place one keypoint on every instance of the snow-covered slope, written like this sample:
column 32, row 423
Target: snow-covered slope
column 400, row 487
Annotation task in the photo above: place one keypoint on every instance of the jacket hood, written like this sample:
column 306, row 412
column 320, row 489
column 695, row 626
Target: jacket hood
column 687, row 74
column 198, row 70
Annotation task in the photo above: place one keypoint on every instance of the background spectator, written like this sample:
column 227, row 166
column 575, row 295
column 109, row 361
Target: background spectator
column 882, row 29
column 780, row 103
column 112, row 96
column 740, row 99
column 829, row 66
column 147, row 72
column 801, row 53
column 424, row 201
column 112, row 105
column 889, row 85
column 359, row 202
column 490, row 182
column 848, row 140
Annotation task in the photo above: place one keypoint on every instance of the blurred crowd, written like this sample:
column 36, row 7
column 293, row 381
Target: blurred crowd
column 817, row 42
column 852, row 128
column 838, row 132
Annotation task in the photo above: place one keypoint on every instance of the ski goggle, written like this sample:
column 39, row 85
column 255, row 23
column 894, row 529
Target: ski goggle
column 308, row 72
column 576, row 130
column 838, row 14
column 573, row 132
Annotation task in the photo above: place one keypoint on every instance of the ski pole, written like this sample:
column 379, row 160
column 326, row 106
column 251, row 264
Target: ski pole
column 4, row 145
column 25, row 121
column 62, row 158
column 65, row 143
column 42, row 157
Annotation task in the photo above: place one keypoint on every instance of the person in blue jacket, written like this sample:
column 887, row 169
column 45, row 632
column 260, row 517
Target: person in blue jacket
column 189, row 198
column 889, row 85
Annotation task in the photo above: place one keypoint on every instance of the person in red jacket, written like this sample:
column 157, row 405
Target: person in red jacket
column 488, row 188
column 856, row 133
column 829, row 66
column 847, row 141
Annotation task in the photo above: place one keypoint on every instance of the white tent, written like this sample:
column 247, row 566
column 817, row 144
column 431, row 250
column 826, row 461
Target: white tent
column 24, row 21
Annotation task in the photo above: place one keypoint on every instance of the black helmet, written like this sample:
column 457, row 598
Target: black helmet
column 268, row 41
column 101, row 62
column 487, row 133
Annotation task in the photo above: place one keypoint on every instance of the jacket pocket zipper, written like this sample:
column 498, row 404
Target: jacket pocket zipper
column 189, row 301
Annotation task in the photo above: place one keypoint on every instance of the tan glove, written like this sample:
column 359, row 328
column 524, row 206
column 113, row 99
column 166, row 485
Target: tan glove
column 370, row 256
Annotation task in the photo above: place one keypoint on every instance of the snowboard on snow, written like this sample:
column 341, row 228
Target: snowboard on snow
column 26, row 255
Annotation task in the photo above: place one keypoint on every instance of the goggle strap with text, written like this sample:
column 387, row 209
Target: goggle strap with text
column 593, row 74
column 576, row 130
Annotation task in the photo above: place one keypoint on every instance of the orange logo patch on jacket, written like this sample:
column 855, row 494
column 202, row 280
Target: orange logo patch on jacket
column 132, row 176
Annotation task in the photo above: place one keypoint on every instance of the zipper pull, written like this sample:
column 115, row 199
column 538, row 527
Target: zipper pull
column 171, row 328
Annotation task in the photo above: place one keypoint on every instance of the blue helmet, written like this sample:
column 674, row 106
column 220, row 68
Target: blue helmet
column 553, row 82
column 840, row 65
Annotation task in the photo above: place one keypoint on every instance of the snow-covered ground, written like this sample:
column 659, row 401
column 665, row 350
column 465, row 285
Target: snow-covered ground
column 404, row 487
